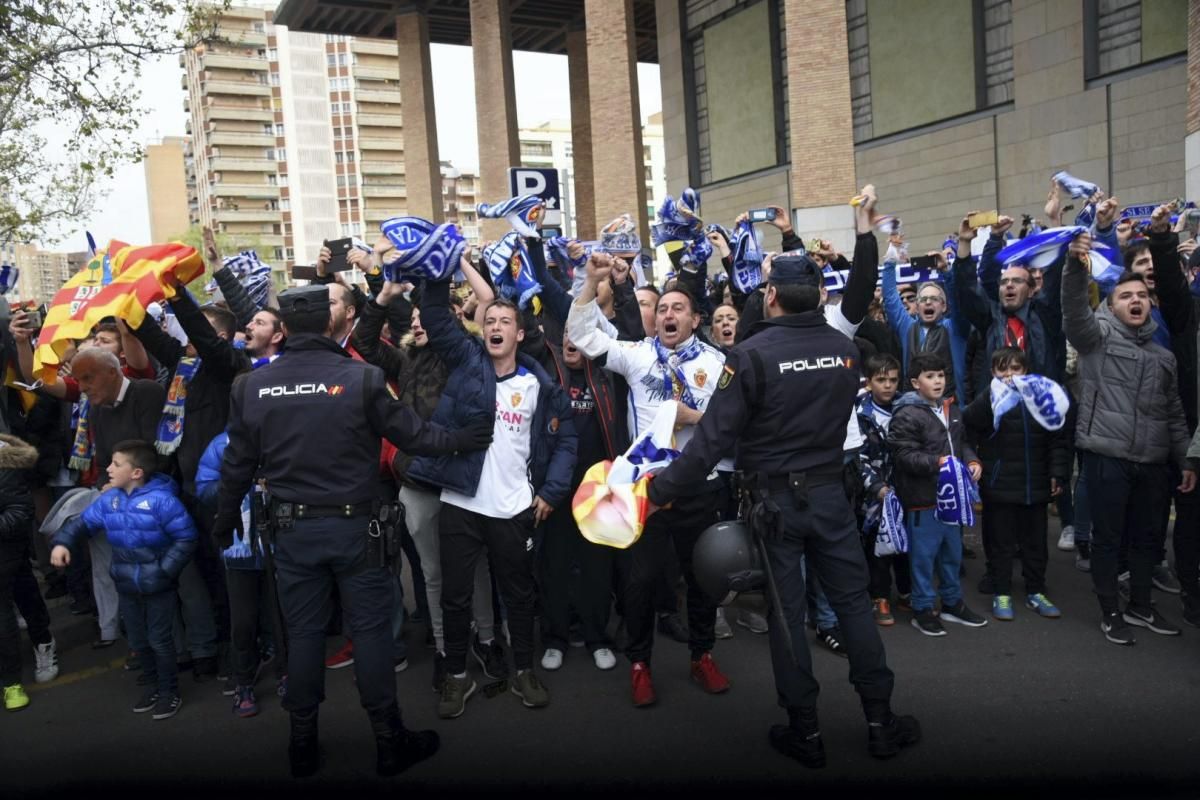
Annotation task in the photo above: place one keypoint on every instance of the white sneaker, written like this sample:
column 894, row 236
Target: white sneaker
column 46, row 662
column 721, row 627
column 753, row 622
column 1066, row 540
column 604, row 658
column 20, row 620
column 552, row 659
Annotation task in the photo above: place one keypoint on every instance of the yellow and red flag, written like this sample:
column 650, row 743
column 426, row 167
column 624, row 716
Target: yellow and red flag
column 138, row 278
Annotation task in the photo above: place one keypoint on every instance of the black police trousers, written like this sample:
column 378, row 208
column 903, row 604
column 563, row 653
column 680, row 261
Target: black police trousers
column 826, row 532
column 642, row 565
column 310, row 558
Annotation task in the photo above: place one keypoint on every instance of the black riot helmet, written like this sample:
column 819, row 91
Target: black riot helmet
column 726, row 559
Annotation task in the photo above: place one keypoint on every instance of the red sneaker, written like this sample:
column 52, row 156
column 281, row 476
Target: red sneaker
column 710, row 678
column 643, row 687
column 342, row 658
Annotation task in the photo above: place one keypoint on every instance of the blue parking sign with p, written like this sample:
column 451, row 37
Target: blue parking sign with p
column 544, row 184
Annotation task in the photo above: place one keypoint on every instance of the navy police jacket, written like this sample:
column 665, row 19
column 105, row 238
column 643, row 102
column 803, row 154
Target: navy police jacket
column 470, row 395
column 782, row 399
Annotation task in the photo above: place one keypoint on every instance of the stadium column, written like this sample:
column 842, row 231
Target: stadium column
column 584, row 196
column 422, row 167
column 1192, row 142
column 495, row 106
column 822, row 174
column 617, row 162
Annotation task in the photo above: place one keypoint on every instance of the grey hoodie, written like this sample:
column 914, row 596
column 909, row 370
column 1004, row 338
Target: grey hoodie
column 1128, row 401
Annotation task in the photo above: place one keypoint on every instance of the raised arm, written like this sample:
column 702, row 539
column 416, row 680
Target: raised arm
column 163, row 347
column 367, row 334
column 221, row 359
column 556, row 302
column 1079, row 323
column 446, row 337
column 582, row 319
column 898, row 318
column 1174, row 295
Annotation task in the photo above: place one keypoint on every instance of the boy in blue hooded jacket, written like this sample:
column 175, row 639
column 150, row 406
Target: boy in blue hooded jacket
column 152, row 538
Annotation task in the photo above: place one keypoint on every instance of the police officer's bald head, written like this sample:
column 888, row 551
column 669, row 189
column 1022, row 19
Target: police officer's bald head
column 305, row 309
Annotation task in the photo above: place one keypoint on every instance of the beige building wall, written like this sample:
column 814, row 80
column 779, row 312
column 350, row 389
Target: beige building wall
column 166, row 188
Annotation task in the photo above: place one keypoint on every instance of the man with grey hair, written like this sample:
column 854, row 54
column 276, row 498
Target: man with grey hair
column 119, row 408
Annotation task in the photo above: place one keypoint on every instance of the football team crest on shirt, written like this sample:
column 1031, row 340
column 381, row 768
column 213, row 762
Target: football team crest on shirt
column 516, row 399
column 701, row 378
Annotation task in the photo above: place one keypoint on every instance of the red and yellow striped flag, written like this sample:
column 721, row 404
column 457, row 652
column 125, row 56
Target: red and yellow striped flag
column 138, row 279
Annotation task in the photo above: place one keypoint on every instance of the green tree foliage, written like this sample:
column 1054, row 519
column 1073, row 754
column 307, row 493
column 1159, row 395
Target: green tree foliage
column 76, row 67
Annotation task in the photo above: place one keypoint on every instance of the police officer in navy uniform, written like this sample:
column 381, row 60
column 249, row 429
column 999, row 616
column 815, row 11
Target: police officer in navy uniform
column 791, row 463
column 309, row 425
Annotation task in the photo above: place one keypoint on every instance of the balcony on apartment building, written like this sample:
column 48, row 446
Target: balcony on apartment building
column 381, row 167
column 212, row 86
column 250, row 114
column 241, row 138
column 376, row 143
column 212, row 60
column 242, row 36
column 374, row 47
column 224, row 164
column 252, row 190
column 378, row 94
column 368, row 120
column 383, row 190
column 249, row 211
column 390, row 72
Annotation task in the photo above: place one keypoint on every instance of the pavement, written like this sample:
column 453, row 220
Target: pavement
column 1032, row 707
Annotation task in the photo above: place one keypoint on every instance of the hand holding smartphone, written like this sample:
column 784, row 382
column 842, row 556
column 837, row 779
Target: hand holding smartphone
column 340, row 248
column 983, row 218
column 762, row 215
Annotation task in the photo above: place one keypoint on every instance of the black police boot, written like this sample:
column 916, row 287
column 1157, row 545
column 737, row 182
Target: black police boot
column 396, row 748
column 887, row 736
column 303, row 753
column 800, row 738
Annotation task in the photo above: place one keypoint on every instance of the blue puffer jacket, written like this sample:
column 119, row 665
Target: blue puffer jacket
column 151, row 534
column 470, row 395
column 208, row 473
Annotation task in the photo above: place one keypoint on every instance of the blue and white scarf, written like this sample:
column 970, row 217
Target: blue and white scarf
column 8, row 277
column 263, row 361
column 423, row 250
column 891, row 538
column 170, row 426
column 1076, row 187
column 678, row 221
column 747, row 258
column 511, row 270
column 556, row 251
column 1045, row 400
column 523, row 213
column 954, row 494
column 675, row 383
column 1038, row 251
column 251, row 272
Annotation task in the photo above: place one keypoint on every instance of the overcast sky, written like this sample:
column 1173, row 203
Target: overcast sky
column 542, row 94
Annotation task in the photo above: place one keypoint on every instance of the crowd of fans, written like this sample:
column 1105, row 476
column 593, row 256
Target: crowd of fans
column 108, row 476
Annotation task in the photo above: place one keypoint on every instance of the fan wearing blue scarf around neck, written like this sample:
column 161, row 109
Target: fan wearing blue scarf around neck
column 672, row 367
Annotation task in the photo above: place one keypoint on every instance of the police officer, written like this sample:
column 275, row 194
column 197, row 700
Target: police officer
column 792, row 463
column 309, row 424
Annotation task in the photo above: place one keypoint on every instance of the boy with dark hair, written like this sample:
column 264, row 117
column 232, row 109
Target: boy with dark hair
column 152, row 538
column 1026, row 465
column 875, row 466
column 925, row 431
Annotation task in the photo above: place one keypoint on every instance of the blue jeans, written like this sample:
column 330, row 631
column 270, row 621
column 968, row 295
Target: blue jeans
column 149, row 627
column 819, row 609
column 1083, row 510
column 933, row 546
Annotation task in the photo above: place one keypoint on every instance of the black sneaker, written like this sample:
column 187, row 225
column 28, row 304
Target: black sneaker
column 672, row 625
column 808, row 749
column 1116, row 631
column 831, row 640
column 204, row 669
column 927, row 623
column 491, row 658
column 133, row 662
column 1150, row 619
column 167, row 706
column 147, row 702
column 963, row 616
column 884, row 740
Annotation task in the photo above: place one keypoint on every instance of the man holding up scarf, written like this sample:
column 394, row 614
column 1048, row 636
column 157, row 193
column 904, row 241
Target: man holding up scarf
column 673, row 367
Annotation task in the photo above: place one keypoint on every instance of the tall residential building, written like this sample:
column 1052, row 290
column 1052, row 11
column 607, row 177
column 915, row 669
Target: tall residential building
column 458, row 200
column 549, row 146
column 166, row 187
column 296, row 137
column 42, row 272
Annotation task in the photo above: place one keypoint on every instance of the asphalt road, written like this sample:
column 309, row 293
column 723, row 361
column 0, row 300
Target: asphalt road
column 1033, row 707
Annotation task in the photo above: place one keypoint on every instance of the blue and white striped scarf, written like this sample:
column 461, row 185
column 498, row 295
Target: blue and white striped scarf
column 511, row 270
column 747, row 258
column 954, row 494
column 675, row 383
column 170, row 426
column 1045, row 400
column 891, row 538
column 8, row 278
column 423, row 250
column 678, row 221
column 523, row 213
column 251, row 272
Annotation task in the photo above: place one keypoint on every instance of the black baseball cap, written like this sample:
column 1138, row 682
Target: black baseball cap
column 796, row 270
column 301, row 299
